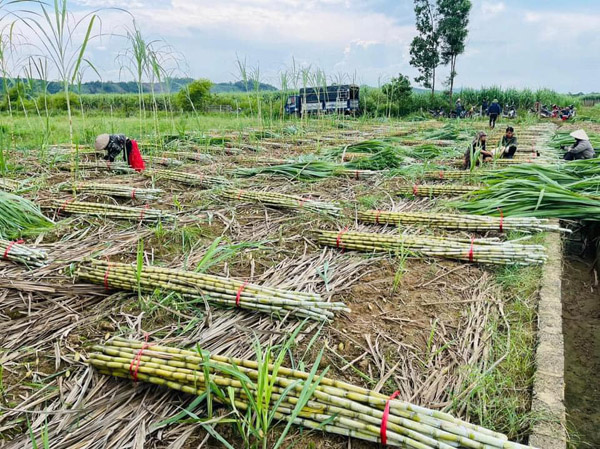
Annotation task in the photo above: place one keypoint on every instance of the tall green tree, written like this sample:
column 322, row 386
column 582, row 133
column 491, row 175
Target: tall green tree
column 453, row 31
column 424, row 48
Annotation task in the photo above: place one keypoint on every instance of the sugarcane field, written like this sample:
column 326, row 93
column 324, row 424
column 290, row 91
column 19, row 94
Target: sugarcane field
column 359, row 252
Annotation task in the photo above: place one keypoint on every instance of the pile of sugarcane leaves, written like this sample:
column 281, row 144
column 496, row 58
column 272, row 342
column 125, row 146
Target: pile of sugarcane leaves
column 568, row 190
column 20, row 217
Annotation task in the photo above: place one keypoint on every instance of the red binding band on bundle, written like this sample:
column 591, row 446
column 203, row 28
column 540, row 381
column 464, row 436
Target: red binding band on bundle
column 377, row 215
column 9, row 247
column 356, row 174
column 239, row 293
column 415, row 189
column 301, row 202
column 338, row 240
column 384, row 418
column 240, row 192
column 143, row 211
column 137, row 360
column 106, row 287
column 64, row 205
column 133, row 194
column 441, row 174
column 501, row 220
column 471, row 250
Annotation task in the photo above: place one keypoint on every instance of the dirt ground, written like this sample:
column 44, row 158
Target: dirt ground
column 581, row 325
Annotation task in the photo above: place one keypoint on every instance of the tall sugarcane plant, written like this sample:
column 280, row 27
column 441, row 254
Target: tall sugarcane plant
column 215, row 289
column 295, row 397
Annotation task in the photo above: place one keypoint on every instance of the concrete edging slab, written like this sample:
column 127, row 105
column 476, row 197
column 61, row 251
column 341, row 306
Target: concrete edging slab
column 549, row 382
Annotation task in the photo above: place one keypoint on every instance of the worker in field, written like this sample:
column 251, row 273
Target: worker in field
column 477, row 150
column 116, row 144
column 484, row 107
column 581, row 149
column 459, row 108
column 494, row 111
column 508, row 144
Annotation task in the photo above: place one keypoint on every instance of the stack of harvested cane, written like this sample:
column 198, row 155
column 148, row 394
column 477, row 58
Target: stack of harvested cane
column 108, row 210
column 475, row 250
column 9, row 185
column 17, row 252
column 436, row 189
column 166, row 161
column 448, row 174
column 280, row 200
column 192, row 179
column 359, row 174
column 117, row 167
column 215, row 289
column 116, row 190
column 459, row 221
column 334, row 406
column 198, row 157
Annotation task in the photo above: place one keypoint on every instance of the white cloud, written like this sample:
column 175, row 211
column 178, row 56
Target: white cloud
column 491, row 9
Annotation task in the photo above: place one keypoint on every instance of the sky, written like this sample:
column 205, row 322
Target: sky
column 511, row 43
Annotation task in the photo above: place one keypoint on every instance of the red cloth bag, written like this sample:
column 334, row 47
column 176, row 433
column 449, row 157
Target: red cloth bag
column 135, row 157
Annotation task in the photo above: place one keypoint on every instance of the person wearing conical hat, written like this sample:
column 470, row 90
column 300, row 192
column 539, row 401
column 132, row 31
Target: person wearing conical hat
column 116, row 144
column 581, row 149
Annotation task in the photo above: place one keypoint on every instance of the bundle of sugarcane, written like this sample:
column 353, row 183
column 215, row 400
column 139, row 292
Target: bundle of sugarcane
column 448, row 174
column 9, row 185
column 19, row 217
column 166, row 161
column 476, row 250
column 436, row 189
column 439, row 143
column 20, row 253
column 198, row 157
column 458, row 221
column 192, row 179
column 215, row 289
column 108, row 210
column 281, row 200
column 324, row 403
column 116, row 190
column 118, row 167
column 359, row 174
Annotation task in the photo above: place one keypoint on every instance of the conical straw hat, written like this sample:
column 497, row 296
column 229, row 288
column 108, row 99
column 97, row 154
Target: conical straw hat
column 101, row 142
column 580, row 134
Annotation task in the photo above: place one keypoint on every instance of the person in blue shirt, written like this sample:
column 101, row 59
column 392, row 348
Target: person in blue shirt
column 494, row 110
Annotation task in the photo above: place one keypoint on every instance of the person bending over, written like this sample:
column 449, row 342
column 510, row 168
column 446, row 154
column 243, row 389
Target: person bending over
column 116, row 144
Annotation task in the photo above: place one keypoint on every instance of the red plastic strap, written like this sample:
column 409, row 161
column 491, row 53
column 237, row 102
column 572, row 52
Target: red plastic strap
column 471, row 250
column 64, row 205
column 441, row 174
column 133, row 194
column 133, row 370
column 377, row 215
column 338, row 240
column 415, row 189
column 143, row 211
column 9, row 247
column 240, row 192
column 239, row 293
column 384, row 418
column 356, row 175
column 106, row 287
column 501, row 220
column 301, row 202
